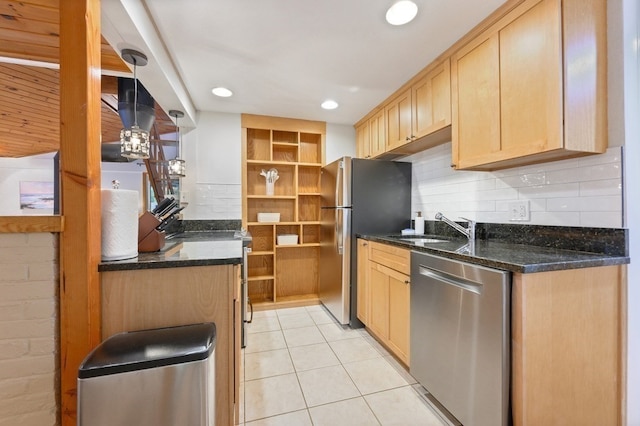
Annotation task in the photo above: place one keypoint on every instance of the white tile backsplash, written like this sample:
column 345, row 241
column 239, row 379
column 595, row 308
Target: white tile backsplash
column 216, row 202
column 584, row 191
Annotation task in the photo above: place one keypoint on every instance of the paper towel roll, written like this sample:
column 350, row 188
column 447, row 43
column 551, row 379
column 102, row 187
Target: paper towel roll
column 119, row 224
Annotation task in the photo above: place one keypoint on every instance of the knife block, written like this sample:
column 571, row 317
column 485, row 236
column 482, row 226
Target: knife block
column 149, row 238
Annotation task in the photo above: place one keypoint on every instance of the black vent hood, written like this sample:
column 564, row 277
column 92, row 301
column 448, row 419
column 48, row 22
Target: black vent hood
column 145, row 109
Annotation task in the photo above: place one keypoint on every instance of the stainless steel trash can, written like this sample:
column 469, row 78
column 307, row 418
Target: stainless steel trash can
column 159, row 377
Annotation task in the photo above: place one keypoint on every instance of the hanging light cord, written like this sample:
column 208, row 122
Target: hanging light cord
column 135, row 94
column 178, row 138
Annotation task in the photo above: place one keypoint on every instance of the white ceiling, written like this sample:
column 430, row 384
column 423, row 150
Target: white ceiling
column 283, row 57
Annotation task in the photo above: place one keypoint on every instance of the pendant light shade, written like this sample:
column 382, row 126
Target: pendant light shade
column 134, row 141
column 177, row 167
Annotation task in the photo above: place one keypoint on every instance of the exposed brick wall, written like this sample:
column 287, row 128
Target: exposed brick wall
column 29, row 343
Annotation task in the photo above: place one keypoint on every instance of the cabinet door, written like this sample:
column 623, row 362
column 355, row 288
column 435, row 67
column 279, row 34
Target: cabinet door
column 363, row 281
column 399, row 305
column 398, row 119
column 531, row 82
column 379, row 309
column 363, row 149
column 378, row 134
column 431, row 98
column 507, row 90
column 476, row 103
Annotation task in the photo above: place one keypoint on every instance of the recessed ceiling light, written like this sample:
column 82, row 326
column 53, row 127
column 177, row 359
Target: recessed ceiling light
column 402, row 12
column 223, row 92
column 329, row 104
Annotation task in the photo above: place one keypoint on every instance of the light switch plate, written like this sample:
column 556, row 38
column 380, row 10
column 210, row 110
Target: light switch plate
column 519, row 211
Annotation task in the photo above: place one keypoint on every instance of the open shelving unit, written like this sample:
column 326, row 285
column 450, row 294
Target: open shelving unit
column 282, row 274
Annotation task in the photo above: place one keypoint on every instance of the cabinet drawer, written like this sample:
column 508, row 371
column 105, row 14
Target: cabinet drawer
column 392, row 257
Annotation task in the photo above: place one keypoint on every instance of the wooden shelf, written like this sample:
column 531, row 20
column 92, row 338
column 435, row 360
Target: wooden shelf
column 278, row 163
column 260, row 253
column 298, row 245
column 273, row 197
column 296, row 150
column 261, row 278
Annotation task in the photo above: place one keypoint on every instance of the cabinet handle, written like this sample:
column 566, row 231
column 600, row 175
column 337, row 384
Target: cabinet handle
column 407, row 282
column 452, row 165
column 408, row 138
column 365, row 244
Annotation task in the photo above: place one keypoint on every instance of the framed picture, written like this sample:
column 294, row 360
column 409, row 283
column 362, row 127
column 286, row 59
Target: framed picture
column 36, row 195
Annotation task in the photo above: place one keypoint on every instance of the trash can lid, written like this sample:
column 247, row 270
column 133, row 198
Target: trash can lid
column 139, row 350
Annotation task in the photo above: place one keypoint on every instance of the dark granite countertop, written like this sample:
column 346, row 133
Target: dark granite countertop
column 199, row 248
column 514, row 257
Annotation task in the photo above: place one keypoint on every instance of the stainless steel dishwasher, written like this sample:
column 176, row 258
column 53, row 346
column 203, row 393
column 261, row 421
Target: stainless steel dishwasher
column 460, row 338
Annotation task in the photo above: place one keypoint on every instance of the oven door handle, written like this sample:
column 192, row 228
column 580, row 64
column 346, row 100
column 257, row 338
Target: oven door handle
column 459, row 282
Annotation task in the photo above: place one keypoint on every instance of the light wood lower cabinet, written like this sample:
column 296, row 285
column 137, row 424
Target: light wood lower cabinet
column 153, row 298
column 364, row 290
column 567, row 346
column 386, row 297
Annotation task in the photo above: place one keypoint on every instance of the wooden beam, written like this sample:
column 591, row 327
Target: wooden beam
column 12, row 224
column 80, row 182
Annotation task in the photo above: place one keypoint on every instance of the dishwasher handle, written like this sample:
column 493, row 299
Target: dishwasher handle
column 451, row 280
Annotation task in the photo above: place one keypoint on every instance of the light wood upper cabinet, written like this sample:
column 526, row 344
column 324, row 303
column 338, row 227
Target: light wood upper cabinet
column 507, row 84
column 431, row 101
column 363, row 144
column 398, row 119
column 371, row 136
column 378, row 134
column 422, row 110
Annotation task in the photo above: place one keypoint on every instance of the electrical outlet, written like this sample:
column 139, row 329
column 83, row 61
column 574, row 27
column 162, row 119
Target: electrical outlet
column 184, row 197
column 519, row 211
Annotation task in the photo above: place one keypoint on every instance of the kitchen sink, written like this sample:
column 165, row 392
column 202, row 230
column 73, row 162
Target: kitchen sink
column 419, row 241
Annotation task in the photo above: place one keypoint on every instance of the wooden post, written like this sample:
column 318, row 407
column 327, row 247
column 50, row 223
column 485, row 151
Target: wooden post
column 80, row 183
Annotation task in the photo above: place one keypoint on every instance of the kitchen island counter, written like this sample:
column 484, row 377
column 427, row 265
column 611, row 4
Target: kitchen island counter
column 193, row 248
column 517, row 256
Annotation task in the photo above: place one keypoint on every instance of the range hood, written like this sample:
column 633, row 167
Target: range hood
column 146, row 113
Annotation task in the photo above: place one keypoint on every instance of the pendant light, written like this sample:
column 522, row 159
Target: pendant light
column 134, row 141
column 177, row 167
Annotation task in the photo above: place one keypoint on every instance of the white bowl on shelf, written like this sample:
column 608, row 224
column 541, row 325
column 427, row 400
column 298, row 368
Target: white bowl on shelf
column 268, row 217
column 287, row 239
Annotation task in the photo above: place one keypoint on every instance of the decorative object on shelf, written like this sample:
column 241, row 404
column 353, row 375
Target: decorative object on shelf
column 268, row 217
column 177, row 167
column 272, row 176
column 134, row 141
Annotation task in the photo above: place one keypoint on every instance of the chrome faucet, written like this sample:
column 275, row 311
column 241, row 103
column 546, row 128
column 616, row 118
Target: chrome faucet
column 469, row 231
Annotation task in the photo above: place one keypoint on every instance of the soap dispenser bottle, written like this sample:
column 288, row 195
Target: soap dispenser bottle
column 419, row 224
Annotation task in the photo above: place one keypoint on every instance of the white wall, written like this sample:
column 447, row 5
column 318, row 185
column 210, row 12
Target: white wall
column 212, row 151
column 15, row 170
column 213, row 190
column 40, row 168
column 624, row 43
column 577, row 192
column 29, row 359
column 340, row 142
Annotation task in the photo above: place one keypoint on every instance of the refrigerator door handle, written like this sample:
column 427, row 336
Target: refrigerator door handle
column 339, row 182
column 339, row 235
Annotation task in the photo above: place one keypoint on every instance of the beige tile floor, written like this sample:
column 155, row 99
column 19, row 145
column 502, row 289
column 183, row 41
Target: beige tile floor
column 301, row 368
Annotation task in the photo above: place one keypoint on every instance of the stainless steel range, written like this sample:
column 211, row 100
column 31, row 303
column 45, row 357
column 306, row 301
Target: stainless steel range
column 246, row 308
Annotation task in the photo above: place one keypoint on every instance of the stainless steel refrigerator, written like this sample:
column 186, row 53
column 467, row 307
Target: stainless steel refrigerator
column 358, row 197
